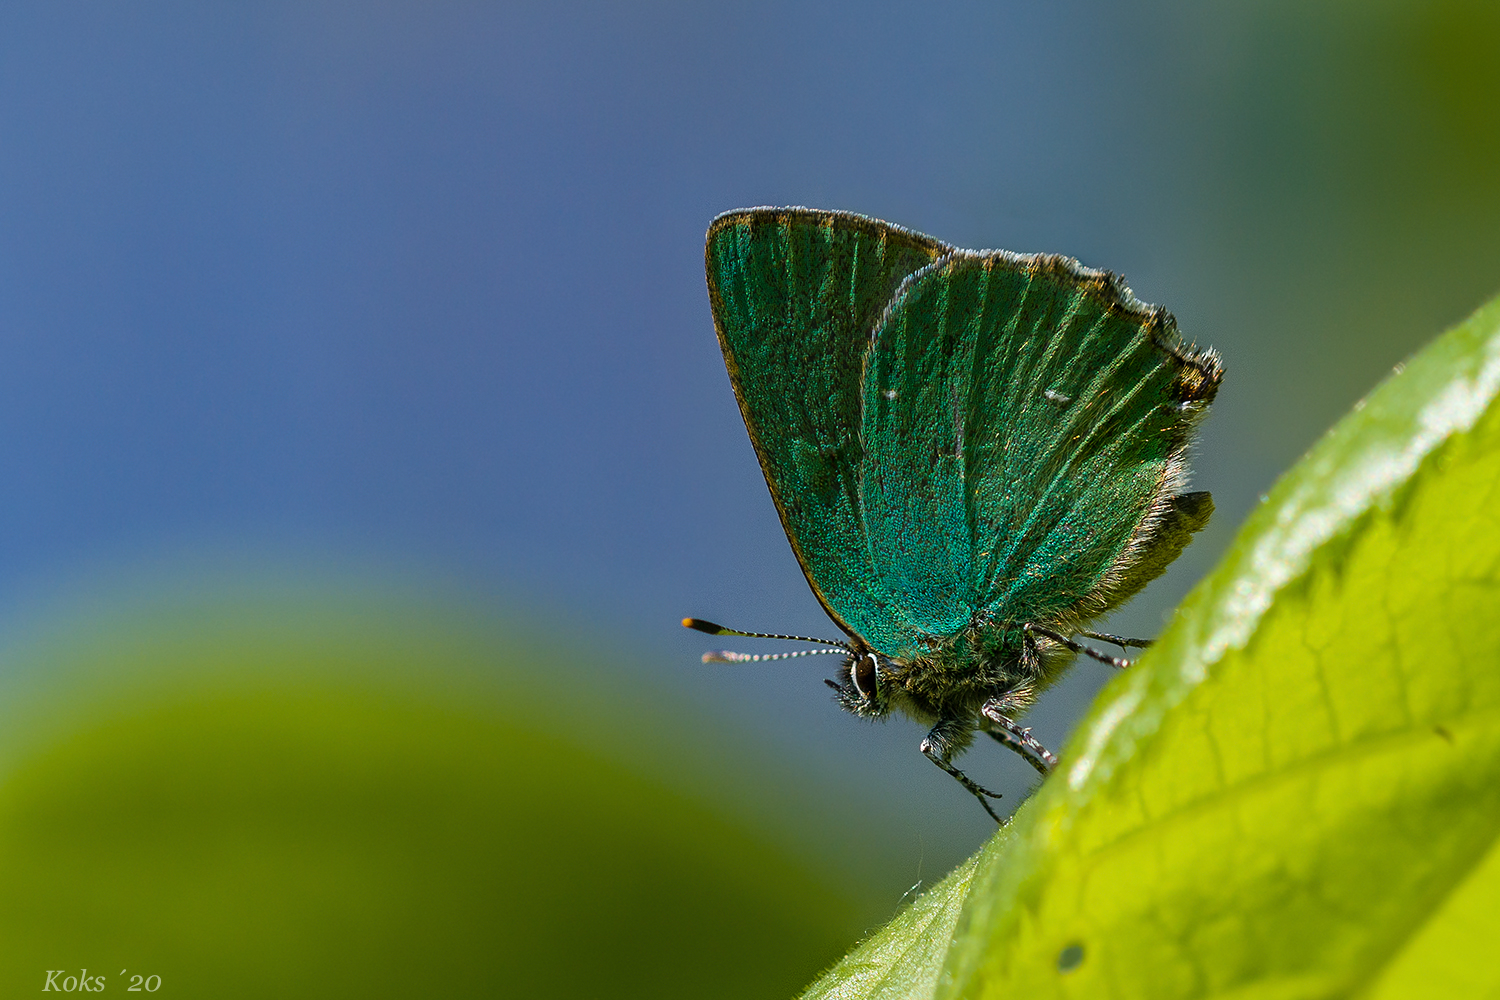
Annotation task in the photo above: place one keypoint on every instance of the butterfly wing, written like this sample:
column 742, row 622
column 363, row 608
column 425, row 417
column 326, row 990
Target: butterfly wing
column 1024, row 425
column 795, row 295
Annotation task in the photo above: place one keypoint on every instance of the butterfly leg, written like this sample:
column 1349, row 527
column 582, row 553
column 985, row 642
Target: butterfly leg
column 940, row 744
column 1118, row 640
column 1008, row 733
column 1076, row 647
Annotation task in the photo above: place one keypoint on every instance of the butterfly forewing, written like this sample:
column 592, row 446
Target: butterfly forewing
column 796, row 294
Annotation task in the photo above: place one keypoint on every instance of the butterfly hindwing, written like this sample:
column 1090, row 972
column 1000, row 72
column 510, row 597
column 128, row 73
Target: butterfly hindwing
column 1024, row 421
column 795, row 295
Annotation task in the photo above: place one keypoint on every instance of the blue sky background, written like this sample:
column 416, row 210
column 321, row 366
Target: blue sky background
column 414, row 290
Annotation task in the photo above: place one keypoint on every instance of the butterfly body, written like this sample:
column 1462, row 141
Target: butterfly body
column 973, row 453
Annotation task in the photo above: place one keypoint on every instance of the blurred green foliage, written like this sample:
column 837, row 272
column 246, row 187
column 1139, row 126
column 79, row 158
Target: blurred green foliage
column 1338, row 200
column 1296, row 793
column 367, row 801
column 1381, row 108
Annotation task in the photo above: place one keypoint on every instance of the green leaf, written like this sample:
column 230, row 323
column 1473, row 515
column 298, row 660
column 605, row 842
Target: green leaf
column 906, row 957
column 1296, row 793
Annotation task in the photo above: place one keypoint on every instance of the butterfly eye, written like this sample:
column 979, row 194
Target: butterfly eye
column 864, row 677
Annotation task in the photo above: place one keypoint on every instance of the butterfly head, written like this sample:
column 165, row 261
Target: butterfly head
column 862, row 686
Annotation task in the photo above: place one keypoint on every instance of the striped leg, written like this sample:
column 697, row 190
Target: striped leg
column 1009, row 734
column 941, row 743
column 1076, row 647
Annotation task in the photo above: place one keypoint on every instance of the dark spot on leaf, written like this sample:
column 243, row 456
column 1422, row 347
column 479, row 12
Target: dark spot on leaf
column 1443, row 733
column 1070, row 958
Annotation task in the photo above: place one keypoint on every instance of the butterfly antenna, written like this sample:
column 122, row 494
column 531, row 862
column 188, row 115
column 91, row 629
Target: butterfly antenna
column 725, row 656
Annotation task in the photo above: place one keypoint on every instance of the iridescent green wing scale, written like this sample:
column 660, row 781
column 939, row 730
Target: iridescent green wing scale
column 1024, row 424
column 796, row 294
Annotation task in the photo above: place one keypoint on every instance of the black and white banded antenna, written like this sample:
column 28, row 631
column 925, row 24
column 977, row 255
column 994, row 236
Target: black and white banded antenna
column 726, row 656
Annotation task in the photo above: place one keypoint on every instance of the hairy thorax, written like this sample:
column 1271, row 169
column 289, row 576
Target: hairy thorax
column 952, row 677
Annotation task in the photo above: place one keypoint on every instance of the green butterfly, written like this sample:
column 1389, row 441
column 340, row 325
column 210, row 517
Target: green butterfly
column 973, row 455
